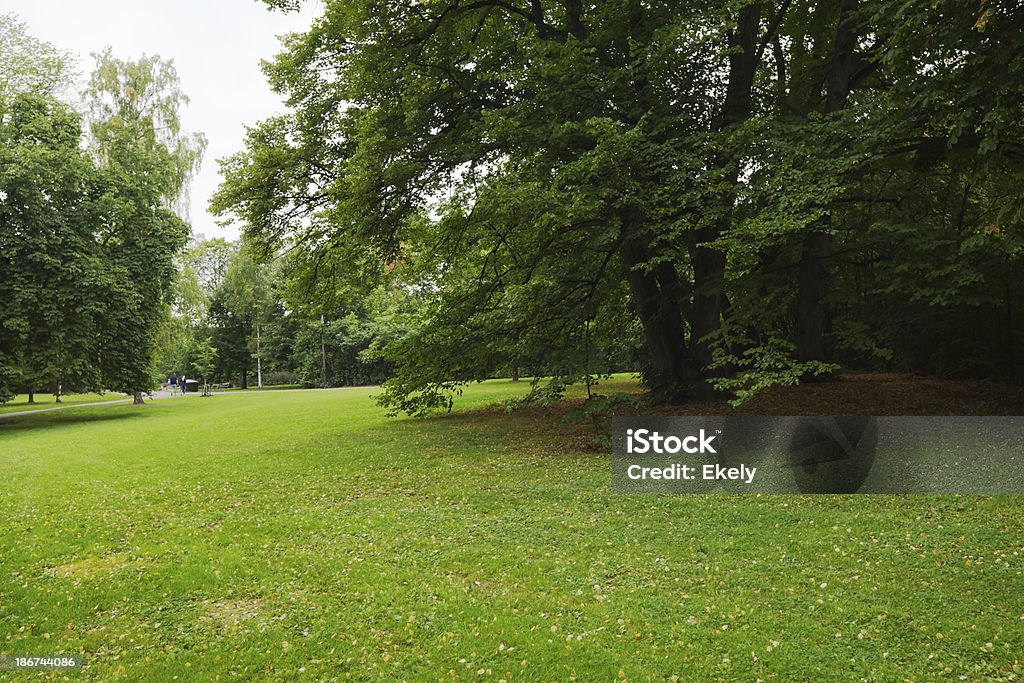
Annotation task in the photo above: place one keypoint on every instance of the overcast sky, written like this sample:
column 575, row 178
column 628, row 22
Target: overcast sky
column 216, row 46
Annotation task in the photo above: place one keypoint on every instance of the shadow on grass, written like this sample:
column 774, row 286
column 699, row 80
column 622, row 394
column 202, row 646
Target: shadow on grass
column 552, row 430
column 56, row 419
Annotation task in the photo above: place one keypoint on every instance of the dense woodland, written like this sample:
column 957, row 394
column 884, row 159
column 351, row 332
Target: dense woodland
column 721, row 196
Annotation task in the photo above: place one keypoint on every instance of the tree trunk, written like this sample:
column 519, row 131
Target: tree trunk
column 515, row 373
column 813, row 283
column 323, row 351
column 56, row 397
column 671, row 372
column 708, row 263
column 706, row 313
column 31, row 395
column 259, row 360
column 137, row 399
column 245, row 378
column 1011, row 356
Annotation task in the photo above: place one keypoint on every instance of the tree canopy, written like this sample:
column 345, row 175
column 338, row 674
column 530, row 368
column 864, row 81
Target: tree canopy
column 87, row 236
column 756, row 192
column 29, row 65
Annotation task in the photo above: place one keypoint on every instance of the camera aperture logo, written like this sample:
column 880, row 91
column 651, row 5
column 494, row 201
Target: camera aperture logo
column 652, row 442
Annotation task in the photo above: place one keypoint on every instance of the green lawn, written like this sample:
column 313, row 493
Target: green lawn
column 20, row 402
column 267, row 535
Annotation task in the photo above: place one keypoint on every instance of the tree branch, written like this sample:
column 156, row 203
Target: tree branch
column 773, row 29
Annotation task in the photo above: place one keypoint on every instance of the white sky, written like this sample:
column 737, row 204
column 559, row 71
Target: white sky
column 216, row 46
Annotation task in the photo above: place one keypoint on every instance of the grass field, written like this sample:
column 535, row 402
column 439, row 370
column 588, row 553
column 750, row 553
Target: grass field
column 280, row 535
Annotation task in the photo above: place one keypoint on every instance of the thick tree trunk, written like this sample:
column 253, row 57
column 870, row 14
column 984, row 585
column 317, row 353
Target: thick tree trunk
column 515, row 373
column 708, row 263
column 245, row 378
column 31, row 395
column 137, row 399
column 706, row 313
column 657, row 303
column 813, row 283
column 1010, row 341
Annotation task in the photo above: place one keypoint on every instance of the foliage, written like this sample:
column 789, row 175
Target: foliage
column 134, row 110
column 53, row 283
column 44, row 210
column 146, row 160
column 86, row 242
column 533, row 169
column 29, row 65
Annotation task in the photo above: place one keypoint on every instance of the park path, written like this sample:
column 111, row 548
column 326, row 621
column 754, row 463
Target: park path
column 161, row 394
column 154, row 395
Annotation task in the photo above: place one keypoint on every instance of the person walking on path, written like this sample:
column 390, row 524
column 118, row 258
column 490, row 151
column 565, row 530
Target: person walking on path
column 173, row 382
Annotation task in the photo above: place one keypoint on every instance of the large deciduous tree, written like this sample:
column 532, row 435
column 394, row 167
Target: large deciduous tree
column 86, row 243
column 50, row 266
column 564, row 135
column 740, row 174
column 147, row 160
column 52, row 270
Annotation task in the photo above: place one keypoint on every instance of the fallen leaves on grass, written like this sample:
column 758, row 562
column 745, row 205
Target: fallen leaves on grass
column 227, row 614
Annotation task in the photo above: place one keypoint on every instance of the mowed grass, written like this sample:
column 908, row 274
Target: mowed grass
column 282, row 535
column 42, row 401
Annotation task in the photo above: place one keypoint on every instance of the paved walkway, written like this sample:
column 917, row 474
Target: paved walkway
column 167, row 394
column 155, row 394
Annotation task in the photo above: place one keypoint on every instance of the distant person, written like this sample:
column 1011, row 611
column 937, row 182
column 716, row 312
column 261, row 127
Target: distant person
column 173, row 383
column 184, row 385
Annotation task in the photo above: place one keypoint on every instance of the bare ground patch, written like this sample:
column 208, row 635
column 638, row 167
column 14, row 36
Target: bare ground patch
column 230, row 614
column 91, row 567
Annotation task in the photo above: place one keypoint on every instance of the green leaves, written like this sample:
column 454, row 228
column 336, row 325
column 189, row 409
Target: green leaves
column 146, row 161
column 535, row 174
column 50, row 265
column 29, row 65
column 135, row 125
column 86, row 244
